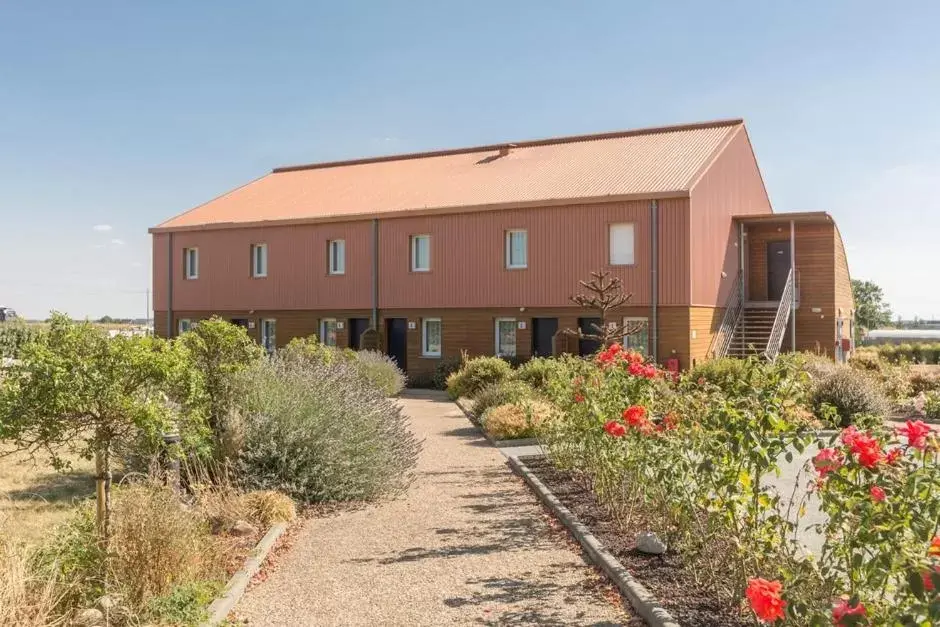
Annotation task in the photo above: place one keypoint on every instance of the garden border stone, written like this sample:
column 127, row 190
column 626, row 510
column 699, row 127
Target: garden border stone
column 642, row 601
column 236, row 586
column 462, row 404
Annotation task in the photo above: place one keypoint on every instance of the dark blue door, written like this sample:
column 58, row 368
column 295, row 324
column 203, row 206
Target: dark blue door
column 357, row 326
column 543, row 331
column 396, row 340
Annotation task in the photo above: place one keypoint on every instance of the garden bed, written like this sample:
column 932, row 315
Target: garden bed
column 664, row 576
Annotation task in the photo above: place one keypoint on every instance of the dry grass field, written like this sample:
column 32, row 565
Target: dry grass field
column 35, row 497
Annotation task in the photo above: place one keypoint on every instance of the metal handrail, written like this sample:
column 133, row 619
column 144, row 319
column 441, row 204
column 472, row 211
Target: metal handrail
column 721, row 342
column 775, row 341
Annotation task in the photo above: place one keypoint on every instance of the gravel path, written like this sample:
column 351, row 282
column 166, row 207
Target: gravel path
column 468, row 545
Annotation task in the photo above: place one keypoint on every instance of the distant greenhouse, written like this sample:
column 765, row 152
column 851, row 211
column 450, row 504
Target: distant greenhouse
column 901, row 336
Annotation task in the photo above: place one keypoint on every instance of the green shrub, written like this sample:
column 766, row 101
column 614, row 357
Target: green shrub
column 320, row 432
column 499, row 394
column 13, row 335
column 380, row 370
column 185, row 604
column 923, row 382
column 539, row 371
column 445, row 367
column 853, row 396
column 476, row 374
column 511, row 421
column 726, row 373
column 308, row 350
column 932, row 405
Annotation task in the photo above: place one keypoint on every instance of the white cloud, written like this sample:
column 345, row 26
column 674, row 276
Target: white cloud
column 117, row 242
column 101, row 228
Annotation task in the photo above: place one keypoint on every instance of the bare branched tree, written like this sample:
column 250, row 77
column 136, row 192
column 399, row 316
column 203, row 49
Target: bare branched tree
column 605, row 296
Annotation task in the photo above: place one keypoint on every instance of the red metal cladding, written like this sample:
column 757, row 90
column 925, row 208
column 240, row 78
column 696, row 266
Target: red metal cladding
column 297, row 273
column 731, row 186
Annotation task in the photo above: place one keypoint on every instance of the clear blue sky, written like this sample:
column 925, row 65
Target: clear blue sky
column 117, row 115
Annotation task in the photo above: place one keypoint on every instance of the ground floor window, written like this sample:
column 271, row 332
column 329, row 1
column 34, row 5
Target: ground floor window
column 185, row 324
column 639, row 339
column 267, row 335
column 328, row 331
column 506, row 337
column 431, row 337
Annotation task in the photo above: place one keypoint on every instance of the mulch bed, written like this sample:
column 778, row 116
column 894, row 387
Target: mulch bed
column 663, row 575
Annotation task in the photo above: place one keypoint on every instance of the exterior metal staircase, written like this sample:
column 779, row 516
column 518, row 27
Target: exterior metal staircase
column 754, row 328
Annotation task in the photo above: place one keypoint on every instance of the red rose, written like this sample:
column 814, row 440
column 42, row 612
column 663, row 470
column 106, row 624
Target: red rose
column 877, row 494
column 670, row 421
column 849, row 434
column 635, row 415
column 578, row 397
column 827, row 460
column 614, row 429
column 916, row 433
column 649, row 371
column 894, row 455
column 927, row 576
column 634, row 357
column 701, row 381
column 635, row 369
column 934, row 546
column 843, row 609
column 764, row 597
column 867, row 449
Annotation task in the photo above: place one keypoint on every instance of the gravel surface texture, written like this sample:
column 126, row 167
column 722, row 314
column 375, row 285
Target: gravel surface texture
column 467, row 545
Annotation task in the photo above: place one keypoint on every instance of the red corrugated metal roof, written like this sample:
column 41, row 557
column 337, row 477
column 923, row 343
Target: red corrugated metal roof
column 656, row 162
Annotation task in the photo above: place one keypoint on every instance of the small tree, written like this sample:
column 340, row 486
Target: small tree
column 76, row 390
column 605, row 296
column 871, row 310
column 218, row 351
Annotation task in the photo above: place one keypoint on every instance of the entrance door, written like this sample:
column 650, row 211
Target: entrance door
column 396, row 340
column 778, row 267
column 585, row 346
column 543, row 330
column 357, row 326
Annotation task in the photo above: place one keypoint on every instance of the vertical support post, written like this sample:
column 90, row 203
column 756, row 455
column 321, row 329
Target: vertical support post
column 742, row 259
column 793, row 291
column 375, row 274
column 170, row 461
column 169, row 287
column 654, row 279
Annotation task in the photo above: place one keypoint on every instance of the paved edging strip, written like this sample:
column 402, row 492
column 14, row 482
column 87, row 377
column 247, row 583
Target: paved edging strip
column 236, row 586
column 497, row 443
column 639, row 597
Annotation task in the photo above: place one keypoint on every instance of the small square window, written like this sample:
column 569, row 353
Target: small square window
column 328, row 332
column 191, row 263
column 621, row 244
column 184, row 325
column 337, row 256
column 420, row 253
column 259, row 260
column 506, row 337
column 431, row 337
column 638, row 335
column 516, row 249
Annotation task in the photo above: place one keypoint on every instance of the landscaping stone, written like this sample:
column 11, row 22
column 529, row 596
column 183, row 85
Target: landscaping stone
column 107, row 603
column 89, row 618
column 648, row 542
column 242, row 529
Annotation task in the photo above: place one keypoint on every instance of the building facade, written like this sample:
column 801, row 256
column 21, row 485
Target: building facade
column 480, row 249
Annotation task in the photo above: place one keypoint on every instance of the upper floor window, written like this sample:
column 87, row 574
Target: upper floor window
column 191, row 263
column 506, row 337
column 337, row 253
column 420, row 253
column 259, row 260
column 621, row 244
column 516, row 249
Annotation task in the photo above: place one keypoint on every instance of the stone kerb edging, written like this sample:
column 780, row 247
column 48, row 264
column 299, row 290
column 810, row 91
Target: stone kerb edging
column 643, row 602
column 236, row 586
column 464, row 406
